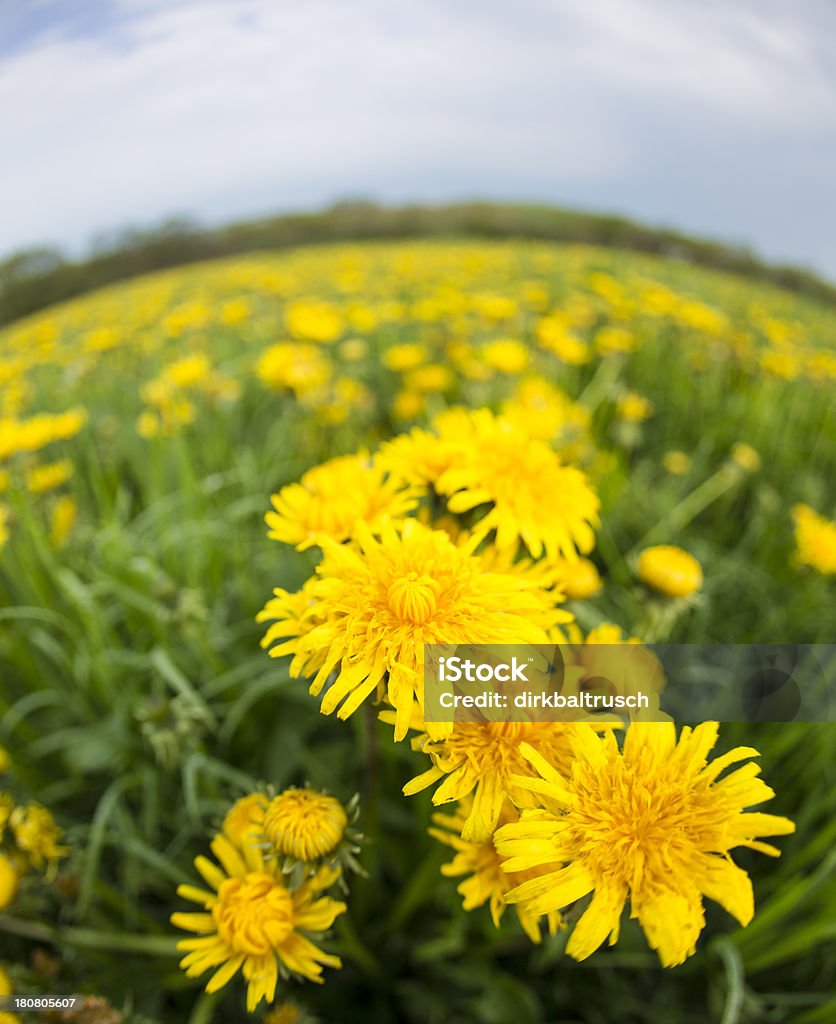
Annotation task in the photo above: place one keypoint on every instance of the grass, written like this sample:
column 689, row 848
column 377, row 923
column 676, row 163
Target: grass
column 136, row 703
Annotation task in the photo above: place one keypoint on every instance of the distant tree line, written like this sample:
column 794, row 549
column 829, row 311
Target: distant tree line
column 36, row 278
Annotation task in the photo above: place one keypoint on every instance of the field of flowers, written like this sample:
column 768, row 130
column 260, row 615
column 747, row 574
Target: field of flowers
column 333, row 456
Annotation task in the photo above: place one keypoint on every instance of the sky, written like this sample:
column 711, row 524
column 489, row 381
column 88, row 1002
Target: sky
column 716, row 117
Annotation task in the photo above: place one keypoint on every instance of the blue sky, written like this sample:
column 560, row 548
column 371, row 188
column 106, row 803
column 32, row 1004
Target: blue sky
column 718, row 118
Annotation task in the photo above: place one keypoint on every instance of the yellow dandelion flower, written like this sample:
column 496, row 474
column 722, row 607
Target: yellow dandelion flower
column 653, row 823
column 6, row 807
column 506, row 355
column 314, row 321
column 484, row 759
column 36, row 835
column 495, row 307
column 464, row 357
column 553, row 334
column 243, row 824
column 296, row 367
column 332, row 498
column 188, row 372
column 430, row 378
column 676, row 463
column 34, row 433
column 670, row 570
column 234, row 312
column 62, row 519
column 286, row 1013
column 475, row 459
column 354, row 350
column 148, row 424
column 580, row 579
column 486, row 880
column 633, row 407
column 408, row 405
column 345, row 395
column 8, row 882
column 610, row 341
column 422, row 456
column 598, row 664
column 542, row 410
column 48, row 477
column 304, row 824
column 400, row 358
column 746, row 457
column 815, row 539
column 7, row 989
column 371, row 608
column 251, row 922
column 785, row 365
column 551, row 508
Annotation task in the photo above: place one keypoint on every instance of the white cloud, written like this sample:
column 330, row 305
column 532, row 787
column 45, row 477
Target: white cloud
column 223, row 108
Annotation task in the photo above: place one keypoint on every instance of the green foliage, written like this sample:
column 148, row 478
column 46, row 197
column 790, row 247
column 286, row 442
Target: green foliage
column 136, row 704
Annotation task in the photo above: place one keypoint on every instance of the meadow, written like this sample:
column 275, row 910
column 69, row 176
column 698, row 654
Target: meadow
column 502, row 408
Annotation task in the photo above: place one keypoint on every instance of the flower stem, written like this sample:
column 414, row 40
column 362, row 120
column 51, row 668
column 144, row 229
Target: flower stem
column 689, row 508
column 90, row 938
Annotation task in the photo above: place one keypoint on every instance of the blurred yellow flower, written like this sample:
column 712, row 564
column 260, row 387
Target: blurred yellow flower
column 62, row 519
column 243, row 823
column 580, row 579
column 676, row 463
column 354, row 350
column 670, row 570
column 745, row 456
column 611, row 340
column 429, row 378
column 785, row 365
column 295, row 367
column 36, row 835
column 29, row 435
column 408, row 405
column 633, row 407
column 49, row 476
column 331, row 499
column 542, row 410
column 286, row 1013
column 147, row 424
column 815, row 539
column 235, row 312
column 406, row 356
column 314, row 321
column 7, row 989
column 8, row 882
column 553, row 334
column 506, row 355
column 188, row 371
column 495, row 307
column 608, row 633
